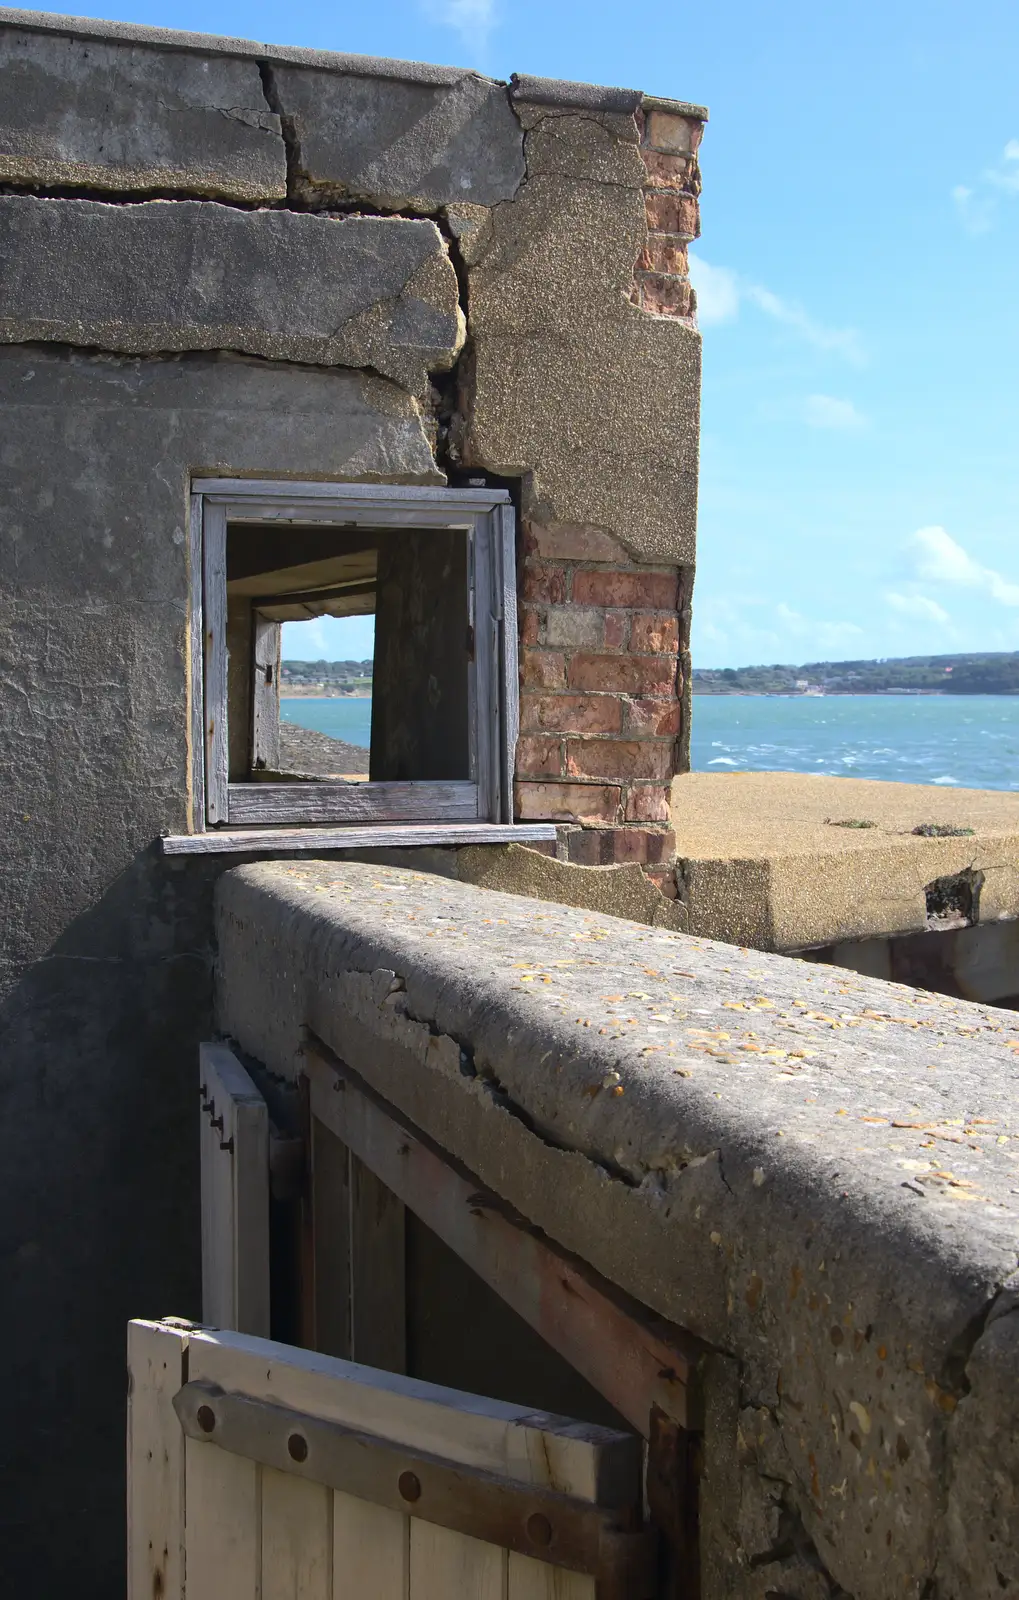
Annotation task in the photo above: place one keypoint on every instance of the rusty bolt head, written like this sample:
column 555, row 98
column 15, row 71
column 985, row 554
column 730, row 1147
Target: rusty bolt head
column 539, row 1530
column 206, row 1418
column 409, row 1485
column 297, row 1445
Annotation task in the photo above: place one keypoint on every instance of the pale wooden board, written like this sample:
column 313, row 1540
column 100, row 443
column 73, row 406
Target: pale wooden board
column 371, row 1551
column 470, row 1429
column 485, row 672
column 235, row 1195
column 508, row 665
column 535, row 1580
column 378, row 1275
column 155, row 1463
column 223, row 1538
column 265, row 694
column 196, row 668
column 352, row 802
column 374, row 497
column 261, row 841
column 297, row 1546
column 451, row 1566
column 216, row 660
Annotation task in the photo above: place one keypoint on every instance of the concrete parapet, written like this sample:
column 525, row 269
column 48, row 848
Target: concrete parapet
column 812, row 1172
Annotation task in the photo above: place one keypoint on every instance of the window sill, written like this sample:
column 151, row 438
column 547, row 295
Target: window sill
column 267, row 841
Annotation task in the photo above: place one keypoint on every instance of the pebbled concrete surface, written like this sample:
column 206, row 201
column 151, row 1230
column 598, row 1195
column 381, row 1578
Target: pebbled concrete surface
column 100, row 115
column 375, row 292
column 763, row 858
column 815, row 1172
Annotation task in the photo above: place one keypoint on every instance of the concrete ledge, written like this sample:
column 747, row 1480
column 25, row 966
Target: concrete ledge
column 375, row 292
column 812, row 1171
column 765, row 857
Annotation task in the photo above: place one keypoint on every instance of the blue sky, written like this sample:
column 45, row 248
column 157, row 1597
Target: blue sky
column 859, row 285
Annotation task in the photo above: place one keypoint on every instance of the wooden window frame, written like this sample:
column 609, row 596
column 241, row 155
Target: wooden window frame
column 486, row 517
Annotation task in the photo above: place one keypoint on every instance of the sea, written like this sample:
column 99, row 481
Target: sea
column 955, row 741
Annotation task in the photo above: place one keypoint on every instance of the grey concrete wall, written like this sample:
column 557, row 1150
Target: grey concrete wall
column 813, row 1172
column 194, row 281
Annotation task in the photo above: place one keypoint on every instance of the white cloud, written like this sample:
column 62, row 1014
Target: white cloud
column 473, row 20
column 717, row 292
column 917, row 605
column 977, row 203
column 720, row 293
column 940, row 559
column 824, row 411
column 826, row 635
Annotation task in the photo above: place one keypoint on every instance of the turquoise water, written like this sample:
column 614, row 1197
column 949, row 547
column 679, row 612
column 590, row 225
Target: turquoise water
column 969, row 741
column 350, row 720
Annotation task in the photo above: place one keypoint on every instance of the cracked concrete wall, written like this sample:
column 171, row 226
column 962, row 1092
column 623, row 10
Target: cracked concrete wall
column 769, row 1172
column 223, row 256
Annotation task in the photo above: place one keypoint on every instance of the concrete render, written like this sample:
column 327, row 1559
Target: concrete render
column 813, row 1172
column 763, row 859
column 376, row 292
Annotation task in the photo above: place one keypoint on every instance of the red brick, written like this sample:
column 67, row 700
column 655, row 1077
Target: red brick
column 606, row 847
column 544, row 583
column 665, row 253
column 618, row 758
column 616, row 629
column 543, row 669
column 571, row 713
column 590, row 847
column 654, row 633
column 647, row 802
column 567, row 802
column 575, row 627
column 665, row 296
column 659, row 719
column 530, row 625
column 668, row 171
column 673, row 213
column 604, row 586
column 539, row 758
column 623, row 674
column 568, row 541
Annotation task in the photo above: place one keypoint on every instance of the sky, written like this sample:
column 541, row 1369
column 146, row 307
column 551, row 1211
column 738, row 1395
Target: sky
column 858, row 278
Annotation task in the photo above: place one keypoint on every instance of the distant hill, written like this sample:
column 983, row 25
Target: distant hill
column 988, row 672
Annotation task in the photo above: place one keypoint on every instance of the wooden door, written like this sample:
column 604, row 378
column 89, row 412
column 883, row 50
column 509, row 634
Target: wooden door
column 258, row 1471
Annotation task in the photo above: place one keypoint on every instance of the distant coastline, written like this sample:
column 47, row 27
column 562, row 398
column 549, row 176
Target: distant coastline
column 288, row 692
column 984, row 672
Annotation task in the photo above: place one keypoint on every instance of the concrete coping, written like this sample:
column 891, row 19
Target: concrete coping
column 536, row 91
column 809, row 1170
column 787, row 861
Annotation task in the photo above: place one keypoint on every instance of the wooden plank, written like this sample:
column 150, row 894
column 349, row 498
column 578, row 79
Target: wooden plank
column 378, row 1272
column 330, row 1213
column 235, row 1194
column 155, row 1462
column 444, row 1564
column 216, row 662
column 534, row 1580
column 351, row 495
column 223, row 1537
column 196, row 668
column 485, row 673
column 259, row 841
column 297, row 1554
column 265, row 693
column 509, row 671
column 580, row 1459
column 371, row 1551
column 633, row 1360
column 353, row 802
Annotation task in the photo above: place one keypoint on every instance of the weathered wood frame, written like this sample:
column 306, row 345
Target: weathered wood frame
column 486, row 517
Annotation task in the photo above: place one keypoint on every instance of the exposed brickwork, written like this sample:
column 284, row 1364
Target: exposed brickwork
column 669, row 146
column 601, row 682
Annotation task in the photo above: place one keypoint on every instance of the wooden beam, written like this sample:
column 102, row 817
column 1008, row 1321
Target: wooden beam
column 373, row 836
column 334, row 801
column 637, row 1362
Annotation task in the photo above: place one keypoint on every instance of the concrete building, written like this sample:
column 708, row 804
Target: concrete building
column 288, row 334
